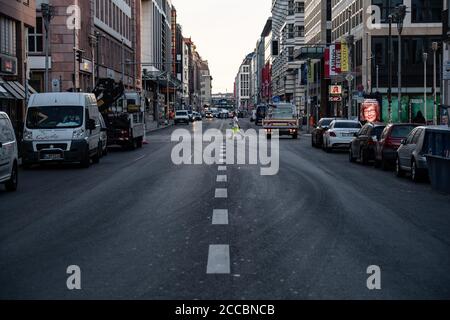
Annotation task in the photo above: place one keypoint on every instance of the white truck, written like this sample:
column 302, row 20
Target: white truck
column 62, row 127
column 126, row 121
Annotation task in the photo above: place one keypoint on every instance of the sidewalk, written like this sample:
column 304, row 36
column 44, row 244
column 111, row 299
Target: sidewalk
column 152, row 126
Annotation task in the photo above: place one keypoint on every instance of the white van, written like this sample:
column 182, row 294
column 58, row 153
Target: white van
column 8, row 154
column 62, row 127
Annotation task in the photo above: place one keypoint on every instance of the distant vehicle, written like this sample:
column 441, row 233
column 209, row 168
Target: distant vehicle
column 363, row 145
column 411, row 153
column 340, row 134
column 125, row 121
column 9, row 159
column 209, row 115
column 191, row 115
column 260, row 114
column 215, row 112
column 62, row 127
column 182, row 116
column 224, row 114
column 253, row 116
column 196, row 116
column 103, row 136
column 389, row 142
column 281, row 117
column 319, row 130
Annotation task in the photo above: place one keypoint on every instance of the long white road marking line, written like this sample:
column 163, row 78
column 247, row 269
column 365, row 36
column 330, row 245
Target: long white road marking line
column 221, row 193
column 221, row 178
column 218, row 259
column 220, row 217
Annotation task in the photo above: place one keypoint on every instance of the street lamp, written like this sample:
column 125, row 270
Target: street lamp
column 390, row 18
column 435, row 48
column 48, row 12
column 425, row 57
column 400, row 16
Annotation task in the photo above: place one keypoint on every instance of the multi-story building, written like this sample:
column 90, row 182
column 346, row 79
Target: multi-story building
column 157, row 55
column 317, row 35
column 243, row 83
column 185, row 70
column 370, row 57
column 105, row 33
column 266, row 72
column 288, row 31
column 16, row 18
column 205, row 85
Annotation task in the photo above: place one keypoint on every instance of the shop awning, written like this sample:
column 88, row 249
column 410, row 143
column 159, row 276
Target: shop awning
column 14, row 90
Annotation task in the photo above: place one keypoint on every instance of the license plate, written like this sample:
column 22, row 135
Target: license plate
column 347, row 134
column 51, row 156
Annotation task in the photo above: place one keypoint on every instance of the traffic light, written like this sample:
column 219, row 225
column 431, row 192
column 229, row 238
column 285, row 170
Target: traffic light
column 79, row 55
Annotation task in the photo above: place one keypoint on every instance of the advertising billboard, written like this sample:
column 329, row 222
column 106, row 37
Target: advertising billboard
column 370, row 111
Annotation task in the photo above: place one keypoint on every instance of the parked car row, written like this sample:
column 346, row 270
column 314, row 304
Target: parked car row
column 402, row 146
column 187, row 116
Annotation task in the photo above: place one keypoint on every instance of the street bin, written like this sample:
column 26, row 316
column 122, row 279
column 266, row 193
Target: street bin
column 439, row 172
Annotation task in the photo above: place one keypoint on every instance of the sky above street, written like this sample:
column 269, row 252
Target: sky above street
column 224, row 31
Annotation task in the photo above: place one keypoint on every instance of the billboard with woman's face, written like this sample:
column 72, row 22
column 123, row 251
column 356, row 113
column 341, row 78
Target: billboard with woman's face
column 370, row 111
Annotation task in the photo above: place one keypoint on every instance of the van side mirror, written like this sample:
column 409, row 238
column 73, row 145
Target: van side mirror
column 90, row 124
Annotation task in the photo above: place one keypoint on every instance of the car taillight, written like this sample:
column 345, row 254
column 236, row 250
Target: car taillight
column 389, row 142
column 332, row 134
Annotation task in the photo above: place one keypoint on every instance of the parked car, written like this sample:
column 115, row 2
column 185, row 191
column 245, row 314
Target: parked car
column 363, row 145
column 253, row 116
column 182, row 116
column 389, row 142
column 196, row 116
column 191, row 115
column 224, row 114
column 411, row 153
column 261, row 111
column 319, row 130
column 62, row 127
column 340, row 134
column 103, row 135
column 9, row 159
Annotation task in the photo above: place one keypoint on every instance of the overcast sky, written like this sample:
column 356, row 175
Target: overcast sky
column 224, row 31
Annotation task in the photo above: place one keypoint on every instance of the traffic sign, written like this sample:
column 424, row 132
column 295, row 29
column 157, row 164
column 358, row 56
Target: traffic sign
column 349, row 77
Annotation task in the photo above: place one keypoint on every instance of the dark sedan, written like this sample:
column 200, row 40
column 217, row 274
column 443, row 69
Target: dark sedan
column 319, row 130
column 362, row 147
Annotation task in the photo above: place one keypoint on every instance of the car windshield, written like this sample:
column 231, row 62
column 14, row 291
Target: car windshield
column 282, row 113
column 325, row 122
column 54, row 117
column 401, row 131
column 181, row 113
column 347, row 125
column 377, row 131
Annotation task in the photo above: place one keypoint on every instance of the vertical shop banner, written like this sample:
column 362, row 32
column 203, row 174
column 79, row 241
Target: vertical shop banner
column 327, row 63
column 338, row 57
column 332, row 60
column 344, row 58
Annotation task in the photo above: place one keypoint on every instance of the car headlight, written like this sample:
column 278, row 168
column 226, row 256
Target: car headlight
column 27, row 135
column 78, row 134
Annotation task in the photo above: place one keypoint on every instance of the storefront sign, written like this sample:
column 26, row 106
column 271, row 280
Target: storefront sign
column 344, row 58
column 8, row 65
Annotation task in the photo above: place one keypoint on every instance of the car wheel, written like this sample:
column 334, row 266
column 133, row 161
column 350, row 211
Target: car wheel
column 384, row 164
column 377, row 163
column 416, row 175
column 139, row 143
column 11, row 184
column 351, row 158
column 96, row 158
column 295, row 136
column 269, row 136
column 363, row 157
column 86, row 161
column 398, row 170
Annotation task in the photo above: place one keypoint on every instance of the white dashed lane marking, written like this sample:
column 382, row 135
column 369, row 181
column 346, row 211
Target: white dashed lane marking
column 221, row 178
column 220, row 217
column 222, row 168
column 218, row 259
column 221, row 193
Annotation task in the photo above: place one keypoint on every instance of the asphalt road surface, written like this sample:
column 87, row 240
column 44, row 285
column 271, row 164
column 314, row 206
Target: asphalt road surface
column 141, row 227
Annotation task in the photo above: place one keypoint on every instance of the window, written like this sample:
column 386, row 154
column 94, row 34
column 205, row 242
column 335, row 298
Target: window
column 299, row 31
column 36, row 37
column 426, row 11
column 291, row 8
column 300, row 7
column 7, row 36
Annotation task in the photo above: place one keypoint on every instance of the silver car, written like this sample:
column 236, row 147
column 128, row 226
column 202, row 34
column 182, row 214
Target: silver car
column 8, row 154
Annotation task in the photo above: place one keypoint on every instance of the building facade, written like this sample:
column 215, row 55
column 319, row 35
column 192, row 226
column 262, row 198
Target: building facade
column 16, row 19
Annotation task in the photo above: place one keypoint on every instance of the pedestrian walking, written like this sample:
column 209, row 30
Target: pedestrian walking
column 235, row 127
